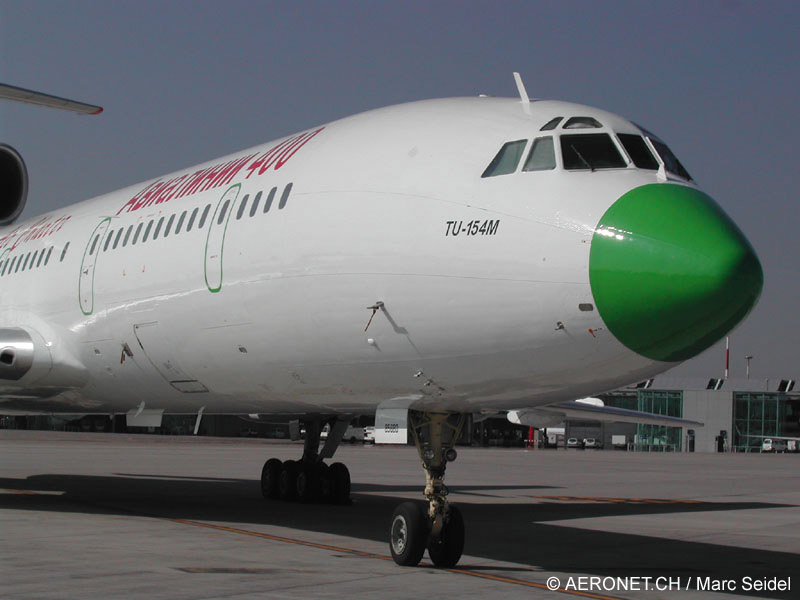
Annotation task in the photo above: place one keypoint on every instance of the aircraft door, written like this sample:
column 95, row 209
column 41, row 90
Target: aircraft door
column 88, row 265
column 216, row 237
column 158, row 350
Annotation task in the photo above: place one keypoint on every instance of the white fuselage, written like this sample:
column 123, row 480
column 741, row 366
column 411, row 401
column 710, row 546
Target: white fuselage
column 480, row 278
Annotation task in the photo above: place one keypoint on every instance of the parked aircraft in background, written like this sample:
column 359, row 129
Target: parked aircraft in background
column 447, row 256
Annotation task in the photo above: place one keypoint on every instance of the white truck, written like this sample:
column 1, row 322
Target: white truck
column 619, row 442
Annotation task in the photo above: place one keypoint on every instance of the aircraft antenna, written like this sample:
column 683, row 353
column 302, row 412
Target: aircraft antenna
column 523, row 94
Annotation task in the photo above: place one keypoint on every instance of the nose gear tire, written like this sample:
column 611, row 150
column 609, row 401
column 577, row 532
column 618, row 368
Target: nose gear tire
column 446, row 550
column 408, row 534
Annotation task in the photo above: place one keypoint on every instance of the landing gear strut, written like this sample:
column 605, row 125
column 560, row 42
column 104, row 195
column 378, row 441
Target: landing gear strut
column 310, row 479
column 440, row 528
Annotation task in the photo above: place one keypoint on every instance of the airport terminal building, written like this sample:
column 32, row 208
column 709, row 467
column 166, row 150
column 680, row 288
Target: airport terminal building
column 737, row 414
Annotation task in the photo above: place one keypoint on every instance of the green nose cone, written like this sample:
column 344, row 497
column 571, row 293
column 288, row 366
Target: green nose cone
column 670, row 272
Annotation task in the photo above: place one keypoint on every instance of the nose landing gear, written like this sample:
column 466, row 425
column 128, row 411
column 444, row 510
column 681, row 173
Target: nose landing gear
column 310, row 479
column 440, row 528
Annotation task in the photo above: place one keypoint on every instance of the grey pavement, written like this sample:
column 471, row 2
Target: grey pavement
column 125, row 516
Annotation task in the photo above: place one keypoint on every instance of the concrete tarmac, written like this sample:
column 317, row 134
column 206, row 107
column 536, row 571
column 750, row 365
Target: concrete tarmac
column 125, row 516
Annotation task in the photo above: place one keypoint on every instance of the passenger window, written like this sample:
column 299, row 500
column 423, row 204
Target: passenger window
column 11, row 267
column 590, row 151
column 582, row 123
column 94, row 244
column 542, row 156
column 25, row 262
column 41, row 256
column 127, row 236
column 116, row 239
column 3, row 271
column 506, row 160
column 108, row 240
column 551, row 124
column 147, row 231
column 169, row 225
column 191, row 220
column 285, row 196
column 671, row 162
column 181, row 219
column 63, row 254
column 50, row 251
column 158, row 228
column 33, row 259
column 136, row 235
column 254, row 207
column 270, row 198
column 224, row 210
column 19, row 264
column 242, row 207
column 638, row 151
column 204, row 216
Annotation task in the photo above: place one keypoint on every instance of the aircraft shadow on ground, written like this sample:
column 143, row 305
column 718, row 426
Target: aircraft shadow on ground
column 508, row 529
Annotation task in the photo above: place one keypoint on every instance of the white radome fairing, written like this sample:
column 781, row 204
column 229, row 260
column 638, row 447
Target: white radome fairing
column 267, row 314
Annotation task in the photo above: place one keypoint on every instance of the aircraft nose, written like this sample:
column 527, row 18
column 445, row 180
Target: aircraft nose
column 670, row 272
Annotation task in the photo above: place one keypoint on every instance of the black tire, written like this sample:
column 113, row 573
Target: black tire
column 339, row 484
column 307, row 483
column 288, row 480
column 408, row 534
column 325, row 483
column 446, row 550
column 270, row 478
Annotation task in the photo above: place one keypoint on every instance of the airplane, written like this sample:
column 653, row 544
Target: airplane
column 445, row 256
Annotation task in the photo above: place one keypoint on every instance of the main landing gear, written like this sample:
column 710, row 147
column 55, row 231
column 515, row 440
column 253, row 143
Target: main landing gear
column 310, row 479
column 440, row 528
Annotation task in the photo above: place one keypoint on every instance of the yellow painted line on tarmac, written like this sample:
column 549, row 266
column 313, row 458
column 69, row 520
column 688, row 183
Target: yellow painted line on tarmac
column 278, row 538
column 618, row 500
column 351, row 551
column 32, row 492
column 541, row 586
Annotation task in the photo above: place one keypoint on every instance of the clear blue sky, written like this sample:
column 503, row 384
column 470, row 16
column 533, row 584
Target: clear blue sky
column 183, row 82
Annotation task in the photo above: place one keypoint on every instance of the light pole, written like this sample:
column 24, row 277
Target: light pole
column 747, row 358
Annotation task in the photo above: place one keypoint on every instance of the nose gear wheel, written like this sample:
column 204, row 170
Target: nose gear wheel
column 440, row 528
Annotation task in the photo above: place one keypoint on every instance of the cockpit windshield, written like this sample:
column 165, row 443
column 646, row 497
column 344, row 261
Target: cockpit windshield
column 590, row 151
column 671, row 162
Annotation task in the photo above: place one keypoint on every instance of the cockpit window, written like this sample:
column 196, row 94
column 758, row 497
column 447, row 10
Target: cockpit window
column 590, row 151
column 551, row 124
column 637, row 149
column 671, row 163
column 582, row 123
column 542, row 157
column 506, row 160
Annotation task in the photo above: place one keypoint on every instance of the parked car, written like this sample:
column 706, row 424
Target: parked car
column 592, row 443
column 573, row 443
column 770, row 445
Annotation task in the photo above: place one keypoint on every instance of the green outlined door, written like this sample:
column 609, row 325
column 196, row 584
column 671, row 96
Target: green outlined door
column 88, row 265
column 216, row 237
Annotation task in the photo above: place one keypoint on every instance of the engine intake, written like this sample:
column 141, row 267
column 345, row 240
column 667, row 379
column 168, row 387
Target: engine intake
column 13, row 184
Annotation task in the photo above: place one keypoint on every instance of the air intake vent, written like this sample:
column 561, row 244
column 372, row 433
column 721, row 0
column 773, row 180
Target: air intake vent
column 13, row 184
column 786, row 385
column 715, row 384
